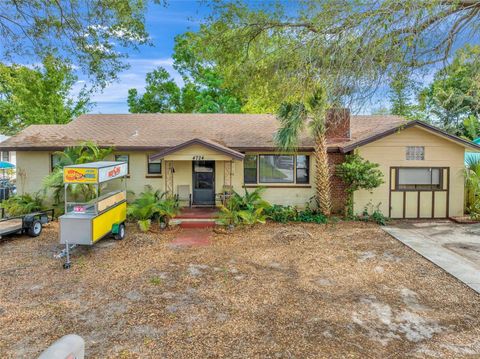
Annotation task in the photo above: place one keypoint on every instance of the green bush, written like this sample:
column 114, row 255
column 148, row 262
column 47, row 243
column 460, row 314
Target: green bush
column 152, row 205
column 375, row 215
column 310, row 216
column 282, row 214
column 248, row 209
column 22, row 204
column 358, row 173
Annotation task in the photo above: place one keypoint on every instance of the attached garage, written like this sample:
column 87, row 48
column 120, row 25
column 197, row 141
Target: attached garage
column 423, row 171
column 419, row 192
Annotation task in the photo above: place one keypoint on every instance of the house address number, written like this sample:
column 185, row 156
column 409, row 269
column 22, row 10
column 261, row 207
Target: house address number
column 198, row 158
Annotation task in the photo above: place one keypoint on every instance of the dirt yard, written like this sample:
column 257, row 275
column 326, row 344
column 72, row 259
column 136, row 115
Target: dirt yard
column 276, row 291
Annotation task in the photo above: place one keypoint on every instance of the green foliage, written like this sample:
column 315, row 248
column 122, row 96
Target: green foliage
column 285, row 214
column 83, row 153
column 472, row 187
column 373, row 215
column 203, row 90
column 152, row 205
column 400, row 95
column 161, row 94
column 22, row 204
column 248, row 209
column 38, row 96
column 358, row 173
column 311, row 216
column 282, row 214
column 95, row 35
column 454, row 94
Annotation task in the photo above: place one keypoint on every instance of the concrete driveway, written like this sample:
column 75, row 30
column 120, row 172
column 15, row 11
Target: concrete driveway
column 453, row 247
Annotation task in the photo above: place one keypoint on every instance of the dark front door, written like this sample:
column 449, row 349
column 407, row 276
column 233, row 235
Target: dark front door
column 204, row 182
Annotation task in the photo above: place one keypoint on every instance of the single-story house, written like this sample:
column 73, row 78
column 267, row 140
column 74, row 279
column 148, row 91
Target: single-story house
column 199, row 156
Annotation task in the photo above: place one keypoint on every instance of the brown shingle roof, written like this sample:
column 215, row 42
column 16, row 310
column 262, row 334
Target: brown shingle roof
column 160, row 131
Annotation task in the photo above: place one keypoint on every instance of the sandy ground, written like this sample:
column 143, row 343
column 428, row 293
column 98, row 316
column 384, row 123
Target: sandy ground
column 274, row 291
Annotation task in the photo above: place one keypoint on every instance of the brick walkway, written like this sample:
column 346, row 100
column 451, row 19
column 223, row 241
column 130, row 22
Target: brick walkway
column 192, row 238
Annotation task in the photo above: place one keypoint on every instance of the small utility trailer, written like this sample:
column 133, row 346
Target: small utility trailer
column 30, row 224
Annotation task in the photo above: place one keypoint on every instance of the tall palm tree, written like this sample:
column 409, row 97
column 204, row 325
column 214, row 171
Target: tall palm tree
column 294, row 118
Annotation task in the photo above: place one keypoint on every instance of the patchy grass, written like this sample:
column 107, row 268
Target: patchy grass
column 295, row 290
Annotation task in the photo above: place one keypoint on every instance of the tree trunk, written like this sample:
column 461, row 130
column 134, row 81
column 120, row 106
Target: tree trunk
column 322, row 175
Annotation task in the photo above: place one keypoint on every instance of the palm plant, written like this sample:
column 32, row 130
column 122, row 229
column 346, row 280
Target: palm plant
column 22, row 204
column 247, row 209
column 294, row 118
column 472, row 186
column 83, row 153
column 150, row 205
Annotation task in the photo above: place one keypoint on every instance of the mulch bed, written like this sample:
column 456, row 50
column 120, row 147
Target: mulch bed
column 282, row 291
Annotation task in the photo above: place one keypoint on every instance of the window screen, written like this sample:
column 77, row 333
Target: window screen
column 303, row 168
column 276, row 169
column 250, row 169
column 415, row 153
column 419, row 178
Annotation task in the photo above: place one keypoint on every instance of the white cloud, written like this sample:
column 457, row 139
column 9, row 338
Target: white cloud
column 134, row 77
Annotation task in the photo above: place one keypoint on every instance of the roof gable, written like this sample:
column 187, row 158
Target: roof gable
column 216, row 147
column 425, row 126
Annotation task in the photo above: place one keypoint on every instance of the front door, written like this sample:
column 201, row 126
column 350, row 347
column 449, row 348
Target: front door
column 204, row 182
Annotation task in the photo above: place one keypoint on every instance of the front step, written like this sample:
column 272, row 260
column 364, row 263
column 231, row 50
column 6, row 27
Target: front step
column 197, row 223
column 197, row 218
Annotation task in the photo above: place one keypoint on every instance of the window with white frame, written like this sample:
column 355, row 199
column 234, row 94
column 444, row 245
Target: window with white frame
column 5, row 156
column 415, row 153
column 419, row 178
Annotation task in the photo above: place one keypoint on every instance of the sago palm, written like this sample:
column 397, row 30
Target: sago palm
column 294, row 119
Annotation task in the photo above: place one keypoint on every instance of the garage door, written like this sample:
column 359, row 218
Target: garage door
column 419, row 192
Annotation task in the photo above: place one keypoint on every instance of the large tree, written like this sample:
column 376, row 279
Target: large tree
column 279, row 54
column 95, row 35
column 39, row 95
column 454, row 94
column 203, row 90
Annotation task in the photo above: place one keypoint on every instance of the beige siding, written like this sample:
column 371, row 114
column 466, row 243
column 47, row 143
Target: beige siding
column 390, row 152
column 32, row 168
column 36, row 165
column 284, row 194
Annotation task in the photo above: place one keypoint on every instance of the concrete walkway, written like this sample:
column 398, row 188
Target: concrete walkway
column 453, row 247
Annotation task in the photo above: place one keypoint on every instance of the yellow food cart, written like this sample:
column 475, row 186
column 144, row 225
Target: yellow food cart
column 84, row 223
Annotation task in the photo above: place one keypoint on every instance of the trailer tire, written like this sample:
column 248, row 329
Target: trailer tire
column 35, row 229
column 121, row 232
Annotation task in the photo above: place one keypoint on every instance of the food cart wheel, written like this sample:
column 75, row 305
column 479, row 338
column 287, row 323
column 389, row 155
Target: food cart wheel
column 121, row 232
column 35, row 228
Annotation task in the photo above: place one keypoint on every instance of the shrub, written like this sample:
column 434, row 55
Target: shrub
column 375, row 215
column 472, row 187
column 282, row 214
column 310, row 216
column 152, row 205
column 247, row 209
column 358, row 173
column 22, row 204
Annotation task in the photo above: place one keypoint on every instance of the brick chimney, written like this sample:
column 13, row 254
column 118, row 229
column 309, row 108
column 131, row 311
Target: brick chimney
column 338, row 124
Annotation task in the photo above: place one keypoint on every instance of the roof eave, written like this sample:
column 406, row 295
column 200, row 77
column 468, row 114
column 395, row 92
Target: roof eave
column 378, row 136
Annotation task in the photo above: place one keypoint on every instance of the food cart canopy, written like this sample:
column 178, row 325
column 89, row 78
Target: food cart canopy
column 94, row 172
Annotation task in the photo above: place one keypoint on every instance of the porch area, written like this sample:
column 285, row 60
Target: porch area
column 200, row 173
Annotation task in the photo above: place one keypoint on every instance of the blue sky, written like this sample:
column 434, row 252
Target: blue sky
column 163, row 23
